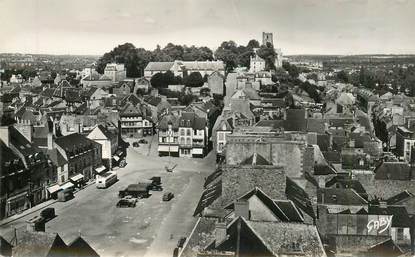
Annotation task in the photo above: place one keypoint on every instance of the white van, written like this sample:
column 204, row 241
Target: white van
column 106, row 179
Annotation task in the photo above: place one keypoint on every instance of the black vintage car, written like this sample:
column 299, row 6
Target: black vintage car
column 168, row 196
column 126, row 203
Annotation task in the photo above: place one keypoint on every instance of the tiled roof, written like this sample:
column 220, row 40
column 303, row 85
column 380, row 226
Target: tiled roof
column 159, row 66
column 256, row 159
column 401, row 197
column 80, row 248
column 209, row 195
column 169, row 119
column 340, row 196
column 190, row 119
column 295, row 120
column 38, row 244
column 152, row 100
column 73, row 141
column 315, row 125
column 393, row 171
column 400, row 215
column 280, row 236
column 385, row 248
column 213, row 177
column 299, row 197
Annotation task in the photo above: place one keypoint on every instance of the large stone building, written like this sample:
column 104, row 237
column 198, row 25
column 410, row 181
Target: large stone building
column 115, row 71
column 179, row 68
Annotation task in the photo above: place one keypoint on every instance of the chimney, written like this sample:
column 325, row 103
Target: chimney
column 220, row 232
column 50, row 141
column 5, row 135
column 242, row 209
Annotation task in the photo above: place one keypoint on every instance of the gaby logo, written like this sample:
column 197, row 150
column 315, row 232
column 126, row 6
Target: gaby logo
column 382, row 224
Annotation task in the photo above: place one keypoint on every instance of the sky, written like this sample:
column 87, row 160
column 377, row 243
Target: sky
column 299, row 26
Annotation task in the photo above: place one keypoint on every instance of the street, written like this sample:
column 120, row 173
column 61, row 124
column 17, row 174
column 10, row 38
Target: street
column 152, row 228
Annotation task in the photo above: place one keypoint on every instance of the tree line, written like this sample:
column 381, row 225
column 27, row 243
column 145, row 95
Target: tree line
column 232, row 54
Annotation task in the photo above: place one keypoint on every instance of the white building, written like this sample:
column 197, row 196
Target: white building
column 115, row 71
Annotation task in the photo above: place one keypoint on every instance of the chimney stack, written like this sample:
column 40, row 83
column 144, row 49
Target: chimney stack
column 50, row 141
column 5, row 135
column 242, row 209
column 220, row 232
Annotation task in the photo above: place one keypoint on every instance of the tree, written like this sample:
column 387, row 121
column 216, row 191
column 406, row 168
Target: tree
column 267, row 52
column 253, row 44
column 292, row 69
column 126, row 54
column 194, row 79
column 157, row 81
column 228, row 53
column 174, row 51
column 342, row 76
column 163, row 80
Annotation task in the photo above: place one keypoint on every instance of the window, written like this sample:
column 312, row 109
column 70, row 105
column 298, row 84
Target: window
column 182, row 141
column 182, row 132
column 189, row 132
column 221, row 136
column 399, row 234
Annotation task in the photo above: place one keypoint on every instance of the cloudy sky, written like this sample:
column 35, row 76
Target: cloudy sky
column 299, row 26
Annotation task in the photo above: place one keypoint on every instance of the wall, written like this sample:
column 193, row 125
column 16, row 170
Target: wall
column 285, row 153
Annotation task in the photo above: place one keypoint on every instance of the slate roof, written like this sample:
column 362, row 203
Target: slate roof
column 152, row 100
column 38, row 244
column 272, row 238
column 299, row 197
column 398, row 198
column 209, row 195
column 387, row 248
column 169, row 119
column 340, row 196
column 348, row 183
column 273, row 206
column 315, row 125
column 295, row 120
column 190, row 119
column 400, row 215
column 393, row 171
column 73, row 141
column 159, row 66
column 80, row 248
column 213, row 177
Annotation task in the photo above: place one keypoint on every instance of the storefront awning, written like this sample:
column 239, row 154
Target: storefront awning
column 54, row 189
column 77, row 177
column 67, row 185
column 100, row 169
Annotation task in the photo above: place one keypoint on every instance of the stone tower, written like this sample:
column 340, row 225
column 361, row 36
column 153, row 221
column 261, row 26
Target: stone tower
column 267, row 37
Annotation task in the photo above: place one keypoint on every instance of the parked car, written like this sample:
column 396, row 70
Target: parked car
column 136, row 144
column 181, row 242
column 143, row 141
column 127, row 202
column 48, row 213
column 168, row 196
